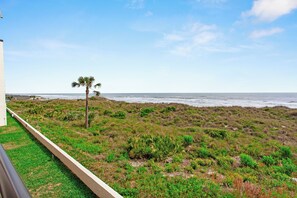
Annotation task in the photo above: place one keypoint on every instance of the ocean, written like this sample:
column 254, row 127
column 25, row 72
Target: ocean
column 197, row 99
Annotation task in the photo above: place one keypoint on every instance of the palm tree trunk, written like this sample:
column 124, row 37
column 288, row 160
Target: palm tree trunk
column 87, row 108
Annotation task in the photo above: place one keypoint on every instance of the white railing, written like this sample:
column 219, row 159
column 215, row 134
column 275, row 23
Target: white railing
column 100, row 188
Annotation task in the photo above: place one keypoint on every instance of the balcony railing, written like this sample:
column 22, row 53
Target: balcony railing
column 11, row 186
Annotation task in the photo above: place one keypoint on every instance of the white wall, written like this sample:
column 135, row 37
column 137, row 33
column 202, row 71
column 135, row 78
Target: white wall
column 3, row 121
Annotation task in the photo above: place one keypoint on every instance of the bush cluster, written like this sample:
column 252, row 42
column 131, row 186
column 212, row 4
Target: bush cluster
column 288, row 167
column 247, row 160
column 168, row 109
column 153, row 147
column 71, row 116
column 269, row 160
column 216, row 133
column 187, row 140
column 119, row 115
column 285, row 152
column 203, row 152
column 146, row 111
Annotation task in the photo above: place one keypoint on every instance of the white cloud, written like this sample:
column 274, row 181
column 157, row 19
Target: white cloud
column 191, row 37
column 136, row 4
column 204, row 38
column 263, row 33
column 270, row 10
column 173, row 37
column 149, row 13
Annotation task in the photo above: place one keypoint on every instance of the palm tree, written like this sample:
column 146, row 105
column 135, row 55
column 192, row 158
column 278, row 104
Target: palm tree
column 88, row 83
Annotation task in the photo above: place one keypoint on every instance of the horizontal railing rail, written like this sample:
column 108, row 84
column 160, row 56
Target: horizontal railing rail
column 11, row 185
column 100, row 188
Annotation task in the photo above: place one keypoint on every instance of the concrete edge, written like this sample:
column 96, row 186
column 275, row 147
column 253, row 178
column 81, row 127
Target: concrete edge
column 100, row 188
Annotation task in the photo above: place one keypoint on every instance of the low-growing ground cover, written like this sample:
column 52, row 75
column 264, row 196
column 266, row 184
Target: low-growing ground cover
column 174, row 150
column 43, row 175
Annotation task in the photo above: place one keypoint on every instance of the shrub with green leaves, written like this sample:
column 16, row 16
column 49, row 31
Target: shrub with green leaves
column 110, row 158
column 119, row 115
column 247, row 160
column 168, row 109
column 225, row 162
column 71, row 116
column 216, row 133
column 203, row 152
column 153, row 147
column 187, row 140
column 285, row 152
column 268, row 160
column 169, row 168
column 107, row 112
column 288, row 167
column 35, row 110
column 146, row 111
column 205, row 162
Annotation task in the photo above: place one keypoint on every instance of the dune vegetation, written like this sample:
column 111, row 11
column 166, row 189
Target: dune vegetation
column 174, row 150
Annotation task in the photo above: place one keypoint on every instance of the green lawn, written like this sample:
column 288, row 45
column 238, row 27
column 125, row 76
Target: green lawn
column 42, row 175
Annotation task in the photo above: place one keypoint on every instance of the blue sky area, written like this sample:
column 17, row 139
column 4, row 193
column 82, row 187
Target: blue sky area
column 150, row 45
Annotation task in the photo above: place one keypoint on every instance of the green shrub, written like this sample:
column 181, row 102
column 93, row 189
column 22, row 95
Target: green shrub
column 168, row 168
column 216, row 133
column 119, row 115
column 49, row 114
column 288, row 167
column 107, row 112
column 168, row 109
column 187, row 140
column 194, row 165
column 110, row 158
column 177, row 158
column 146, row 111
column 225, row 162
column 203, row 152
column 247, row 160
column 69, row 117
column 142, row 170
column 35, row 110
column 281, row 176
column 152, row 147
column 205, row 162
column 285, row 152
column 156, row 185
column 268, row 160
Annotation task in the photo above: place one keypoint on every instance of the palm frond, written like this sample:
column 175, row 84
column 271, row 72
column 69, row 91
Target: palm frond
column 75, row 84
column 86, row 79
column 98, row 85
column 97, row 93
column 81, row 81
column 92, row 79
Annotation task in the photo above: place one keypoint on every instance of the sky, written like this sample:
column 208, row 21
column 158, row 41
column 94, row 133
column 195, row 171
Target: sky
column 142, row 46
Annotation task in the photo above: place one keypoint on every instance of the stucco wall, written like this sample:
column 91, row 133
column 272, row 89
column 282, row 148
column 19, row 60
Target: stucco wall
column 3, row 120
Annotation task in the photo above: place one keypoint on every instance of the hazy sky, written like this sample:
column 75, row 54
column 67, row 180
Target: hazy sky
column 150, row 45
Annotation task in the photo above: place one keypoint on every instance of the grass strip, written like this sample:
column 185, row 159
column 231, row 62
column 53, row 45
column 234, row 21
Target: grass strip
column 43, row 175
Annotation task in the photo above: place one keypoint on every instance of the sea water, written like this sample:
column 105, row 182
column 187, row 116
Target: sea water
column 197, row 99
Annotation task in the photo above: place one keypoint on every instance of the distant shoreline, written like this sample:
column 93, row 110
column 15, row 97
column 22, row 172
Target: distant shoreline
column 258, row 100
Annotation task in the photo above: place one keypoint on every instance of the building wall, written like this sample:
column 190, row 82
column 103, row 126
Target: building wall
column 3, row 120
